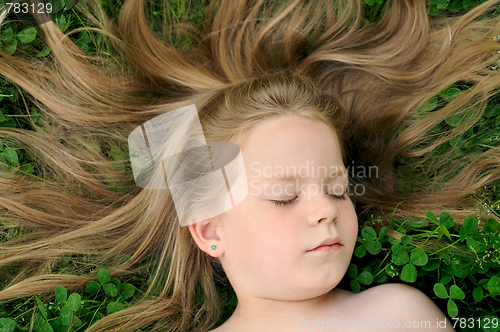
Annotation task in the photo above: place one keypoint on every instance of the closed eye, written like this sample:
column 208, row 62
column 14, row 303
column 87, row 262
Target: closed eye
column 290, row 201
column 286, row 202
column 341, row 197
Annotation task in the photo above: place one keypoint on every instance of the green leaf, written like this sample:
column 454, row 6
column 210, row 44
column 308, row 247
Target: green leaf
column 11, row 156
column 468, row 4
column 450, row 94
column 370, row 2
column 57, row 5
column 8, row 123
column 454, row 120
column 47, row 327
column 494, row 286
column 7, row 325
column 93, row 287
column 468, row 227
column 11, row 93
column 474, row 245
column 42, row 307
column 478, row 293
column 431, row 265
column 60, row 21
column 409, row 273
column 434, row 11
column 459, row 269
column 114, row 307
column 77, row 322
column 429, row 105
column 27, row 35
column 128, row 290
column 61, row 294
column 419, row 257
column 10, row 46
column 38, row 322
column 492, row 111
column 494, row 242
column 69, row 4
column 442, row 5
column 446, row 278
column 445, row 220
column 432, row 217
column 110, row 290
column 28, row 168
column 444, row 230
column 116, row 281
column 365, row 278
column 382, row 234
column 83, row 39
column 491, row 225
column 452, row 308
column 44, row 52
column 374, row 247
column 360, row 252
column 74, row 301
column 406, row 239
column 397, row 249
column 7, row 34
column 368, row 233
column 391, row 270
column 401, row 259
column 103, row 276
column 66, row 315
column 456, row 293
column 440, row 291
column 355, row 286
column 352, row 271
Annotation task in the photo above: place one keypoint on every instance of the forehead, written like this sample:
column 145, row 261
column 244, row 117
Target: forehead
column 291, row 141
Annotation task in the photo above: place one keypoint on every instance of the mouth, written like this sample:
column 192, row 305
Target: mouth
column 329, row 245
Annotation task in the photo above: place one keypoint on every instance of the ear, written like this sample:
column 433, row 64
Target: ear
column 205, row 234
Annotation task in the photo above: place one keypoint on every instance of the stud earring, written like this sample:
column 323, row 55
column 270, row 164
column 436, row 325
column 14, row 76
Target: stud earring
column 213, row 247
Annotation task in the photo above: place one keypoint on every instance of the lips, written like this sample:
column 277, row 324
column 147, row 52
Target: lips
column 328, row 242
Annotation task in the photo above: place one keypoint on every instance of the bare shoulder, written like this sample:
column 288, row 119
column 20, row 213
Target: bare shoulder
column 401, row 303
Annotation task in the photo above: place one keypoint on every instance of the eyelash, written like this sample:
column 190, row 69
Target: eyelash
column 290, row 201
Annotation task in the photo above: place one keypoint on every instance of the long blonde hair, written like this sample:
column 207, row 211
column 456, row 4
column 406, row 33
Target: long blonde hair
column 249, row 62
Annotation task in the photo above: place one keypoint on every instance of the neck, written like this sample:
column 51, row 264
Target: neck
column 262, row 314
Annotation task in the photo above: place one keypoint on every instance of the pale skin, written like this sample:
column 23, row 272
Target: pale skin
column 263, row 245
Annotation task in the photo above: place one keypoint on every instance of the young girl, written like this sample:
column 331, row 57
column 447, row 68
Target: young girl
column 270, row 245
column 298, row 86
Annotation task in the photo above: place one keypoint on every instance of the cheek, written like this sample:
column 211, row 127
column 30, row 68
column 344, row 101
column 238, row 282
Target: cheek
column 351, row 223
column 272, row 232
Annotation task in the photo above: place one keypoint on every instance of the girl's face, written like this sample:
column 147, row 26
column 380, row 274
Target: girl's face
column 265, row 241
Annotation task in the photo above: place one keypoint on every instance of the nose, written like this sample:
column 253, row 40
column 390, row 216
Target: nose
column 324, row 209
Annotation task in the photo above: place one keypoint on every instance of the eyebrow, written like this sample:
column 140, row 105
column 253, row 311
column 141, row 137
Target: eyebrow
column 340, row 172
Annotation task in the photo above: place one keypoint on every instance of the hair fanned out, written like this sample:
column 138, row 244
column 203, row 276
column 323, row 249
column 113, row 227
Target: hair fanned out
column 243, row 64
